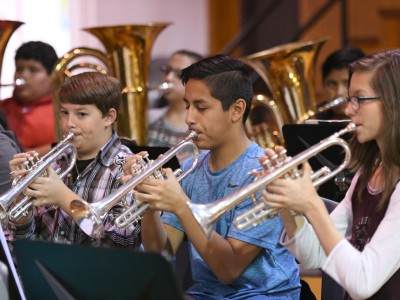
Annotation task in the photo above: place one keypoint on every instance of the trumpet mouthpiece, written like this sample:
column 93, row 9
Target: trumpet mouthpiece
column 19, row 82
column 16, row 83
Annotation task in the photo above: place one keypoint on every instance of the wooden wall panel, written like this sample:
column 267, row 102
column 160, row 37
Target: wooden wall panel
column 224, row 23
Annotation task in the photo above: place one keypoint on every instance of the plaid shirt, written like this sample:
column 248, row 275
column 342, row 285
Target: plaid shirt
column 98, row 180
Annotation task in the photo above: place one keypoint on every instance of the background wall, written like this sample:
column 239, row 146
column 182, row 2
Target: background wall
column 205, row 26
column 62, row 26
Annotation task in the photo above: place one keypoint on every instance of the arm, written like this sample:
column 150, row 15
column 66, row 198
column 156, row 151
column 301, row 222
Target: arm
column 227, row 258
column 362, row 274
column 46, row 190
column 156, row 236
column 305, row 244
column 51, row 190
column 7, row 151
column 300, row 195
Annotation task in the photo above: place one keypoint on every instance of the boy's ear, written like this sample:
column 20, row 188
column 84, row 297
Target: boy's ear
column 111, row 116
column 238, row 109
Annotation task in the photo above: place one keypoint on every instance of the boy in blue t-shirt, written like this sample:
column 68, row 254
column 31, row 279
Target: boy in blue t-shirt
column 232, row 263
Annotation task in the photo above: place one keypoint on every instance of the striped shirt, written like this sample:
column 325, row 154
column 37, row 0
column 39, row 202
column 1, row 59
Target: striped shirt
column 98, row 179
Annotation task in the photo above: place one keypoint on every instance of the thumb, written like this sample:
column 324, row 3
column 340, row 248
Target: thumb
column 51, row 171
column 307, row 170
column 169, row 173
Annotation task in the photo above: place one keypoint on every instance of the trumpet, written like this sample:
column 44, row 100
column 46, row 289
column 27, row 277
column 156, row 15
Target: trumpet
column 90, row 216
column 207, row 215
column 36, row 167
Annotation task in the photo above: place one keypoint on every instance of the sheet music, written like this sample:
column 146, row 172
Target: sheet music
column 12, row 275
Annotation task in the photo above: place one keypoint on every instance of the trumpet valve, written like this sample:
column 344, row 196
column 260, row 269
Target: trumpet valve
column 158, row 174
column 277, row 162
column 124, row 201
column 28, row 164
column 268, row 166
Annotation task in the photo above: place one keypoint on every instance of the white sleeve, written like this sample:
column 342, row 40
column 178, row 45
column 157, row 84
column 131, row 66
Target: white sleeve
column 305, row 245
column 362, row 274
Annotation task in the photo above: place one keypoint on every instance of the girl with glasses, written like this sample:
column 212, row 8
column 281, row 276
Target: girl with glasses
column 358, row 243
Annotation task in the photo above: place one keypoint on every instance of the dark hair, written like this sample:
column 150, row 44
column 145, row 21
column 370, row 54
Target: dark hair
column 193, row 55
column 226, row 77
column 92, row 88
column 341, row 59
column 385, row 66
column 39, row 51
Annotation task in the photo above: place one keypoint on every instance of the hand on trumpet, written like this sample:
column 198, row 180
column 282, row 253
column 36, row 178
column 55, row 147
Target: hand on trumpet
column 131, row 161
column 50, row 190
column 162, row 194
column 20, row 164
column 296, row 194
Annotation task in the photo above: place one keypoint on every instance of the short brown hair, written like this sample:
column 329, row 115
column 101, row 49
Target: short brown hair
column 95, row 88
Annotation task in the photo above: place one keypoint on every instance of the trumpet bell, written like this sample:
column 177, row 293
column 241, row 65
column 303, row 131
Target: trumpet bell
column 86, row 216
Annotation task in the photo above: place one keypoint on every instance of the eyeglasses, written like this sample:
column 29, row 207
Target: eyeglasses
column 356, row 100
column 166, row 70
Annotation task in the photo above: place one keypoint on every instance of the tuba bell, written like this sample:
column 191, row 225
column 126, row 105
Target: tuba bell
column 127, row 58
column 288, row 72
column 7, row 28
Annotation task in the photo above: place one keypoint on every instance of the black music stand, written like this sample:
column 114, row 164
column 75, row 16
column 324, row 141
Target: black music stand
column 58, row 271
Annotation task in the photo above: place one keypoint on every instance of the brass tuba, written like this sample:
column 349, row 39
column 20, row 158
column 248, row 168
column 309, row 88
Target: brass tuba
column 127, row 58
column 7, row 28
column 288, row 72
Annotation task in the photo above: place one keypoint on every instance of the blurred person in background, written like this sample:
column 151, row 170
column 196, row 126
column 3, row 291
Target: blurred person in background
column 29, row 112
column 167, row 124
column 335, row 80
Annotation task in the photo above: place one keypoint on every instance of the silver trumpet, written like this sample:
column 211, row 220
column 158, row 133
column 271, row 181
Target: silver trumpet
column 90, row 216
column 36, row 167
column 206, row 215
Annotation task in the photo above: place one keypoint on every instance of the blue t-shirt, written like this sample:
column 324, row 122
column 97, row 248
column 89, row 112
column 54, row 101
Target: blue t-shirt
column 274, row 273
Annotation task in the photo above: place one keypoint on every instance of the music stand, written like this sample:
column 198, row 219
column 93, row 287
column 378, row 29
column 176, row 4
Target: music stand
column 58, row 271
column 12, row 283
column 300, row 137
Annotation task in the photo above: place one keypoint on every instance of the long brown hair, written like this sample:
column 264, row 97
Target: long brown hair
column 366, row 157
